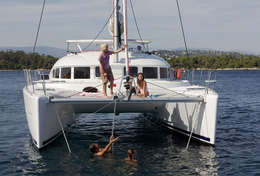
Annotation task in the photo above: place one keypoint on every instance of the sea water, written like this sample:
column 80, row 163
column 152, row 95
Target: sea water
column 158, row 151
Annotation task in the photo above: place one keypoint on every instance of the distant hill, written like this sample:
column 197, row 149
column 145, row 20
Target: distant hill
column 196, row 52
column 52, row 51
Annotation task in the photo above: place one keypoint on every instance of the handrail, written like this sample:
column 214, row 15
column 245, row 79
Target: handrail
column 33, row 77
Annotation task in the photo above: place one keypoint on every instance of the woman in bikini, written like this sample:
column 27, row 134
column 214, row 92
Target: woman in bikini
column 141, row 86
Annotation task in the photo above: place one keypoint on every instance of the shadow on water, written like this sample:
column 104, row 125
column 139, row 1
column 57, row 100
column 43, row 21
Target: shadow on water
column 158, row 151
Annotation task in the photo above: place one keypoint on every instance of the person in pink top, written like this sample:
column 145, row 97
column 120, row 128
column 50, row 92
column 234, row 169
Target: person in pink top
column 105, row 69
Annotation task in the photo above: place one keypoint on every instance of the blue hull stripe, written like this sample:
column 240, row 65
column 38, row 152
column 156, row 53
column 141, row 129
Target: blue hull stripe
column 187, row 132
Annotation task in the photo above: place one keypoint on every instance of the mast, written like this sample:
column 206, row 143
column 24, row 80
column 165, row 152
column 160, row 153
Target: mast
column 125, row 38
column 115, row 33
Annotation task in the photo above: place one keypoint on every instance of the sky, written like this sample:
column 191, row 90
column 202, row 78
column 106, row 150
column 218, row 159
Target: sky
column 230, row 25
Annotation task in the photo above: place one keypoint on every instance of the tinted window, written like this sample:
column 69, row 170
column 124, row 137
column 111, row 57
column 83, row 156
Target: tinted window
column 81, row 73
column 56, row 73
column 66, row 73
column 133, row 71
column 150, row 72
column 163, row 72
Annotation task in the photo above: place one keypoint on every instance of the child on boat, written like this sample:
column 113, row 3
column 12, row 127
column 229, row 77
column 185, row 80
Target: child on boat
column 141, row 86
column 105, row 69
column 130, row 156
column 94, row 148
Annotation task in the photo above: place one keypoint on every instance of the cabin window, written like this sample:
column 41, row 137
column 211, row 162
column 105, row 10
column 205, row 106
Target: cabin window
column 56, row 73
column 97, row 72
column 163, row 72
column 81, row 73
column 150, row 72
column 133, row 71
column 66, row 73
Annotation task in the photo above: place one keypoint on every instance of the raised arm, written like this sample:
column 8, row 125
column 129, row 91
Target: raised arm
column 103, row 151
column 119, row 50
column 110, row 139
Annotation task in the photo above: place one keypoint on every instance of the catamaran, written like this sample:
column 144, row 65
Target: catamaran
column 52, row 104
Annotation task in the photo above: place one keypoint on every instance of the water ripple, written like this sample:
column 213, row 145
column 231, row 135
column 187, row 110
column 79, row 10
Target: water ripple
column 158, row 151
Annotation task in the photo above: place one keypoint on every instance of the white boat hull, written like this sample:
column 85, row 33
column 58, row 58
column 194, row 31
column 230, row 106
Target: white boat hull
column 200, row 119
column 42, row 118
column 182, row 115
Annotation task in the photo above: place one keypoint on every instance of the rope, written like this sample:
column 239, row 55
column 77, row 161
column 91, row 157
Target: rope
column 102, row 107
column 58, row 118
column 39, row 26
column 93, row 87
column 136, row 23
column 169, row 90
column 113, row 125
column 102, row 29
column 192, row 126
column 182, row 28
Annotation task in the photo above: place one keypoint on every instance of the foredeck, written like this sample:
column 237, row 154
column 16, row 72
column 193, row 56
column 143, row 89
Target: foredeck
column 134, row 99
column 96, row 102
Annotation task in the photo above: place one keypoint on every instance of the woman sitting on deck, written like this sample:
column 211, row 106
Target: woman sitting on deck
column 141, row 86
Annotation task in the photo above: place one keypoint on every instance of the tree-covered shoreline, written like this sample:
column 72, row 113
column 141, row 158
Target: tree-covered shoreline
column 19, row 60
column 223, row 61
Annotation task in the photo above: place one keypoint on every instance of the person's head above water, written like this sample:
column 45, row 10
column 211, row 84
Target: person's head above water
column 131, row 154
column 94, row 148
column 104, row 47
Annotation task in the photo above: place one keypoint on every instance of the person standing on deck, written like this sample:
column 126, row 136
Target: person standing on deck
column 105, row 69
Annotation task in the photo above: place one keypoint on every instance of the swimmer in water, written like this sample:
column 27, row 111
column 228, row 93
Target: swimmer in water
column 131, row 156
column 94, row 148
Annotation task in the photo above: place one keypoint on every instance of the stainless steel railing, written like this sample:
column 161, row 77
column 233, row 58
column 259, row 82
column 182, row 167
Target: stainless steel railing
column 34, row 77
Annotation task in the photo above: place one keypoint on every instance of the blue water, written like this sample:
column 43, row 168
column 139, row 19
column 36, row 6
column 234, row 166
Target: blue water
column 237, row 150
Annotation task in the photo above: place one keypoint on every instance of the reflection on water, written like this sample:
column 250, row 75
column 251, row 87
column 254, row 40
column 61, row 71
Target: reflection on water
column 158, row 152
column 210, row 163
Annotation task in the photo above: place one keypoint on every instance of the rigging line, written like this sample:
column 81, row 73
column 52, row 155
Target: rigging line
column 63, row 132
column 169, row 90
column 102, row 29
column 113, row 125
column 103, row 107
column 39, row 26
column 182, row 28
column 94, row 87
column 197, row 106
column 136, row 23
